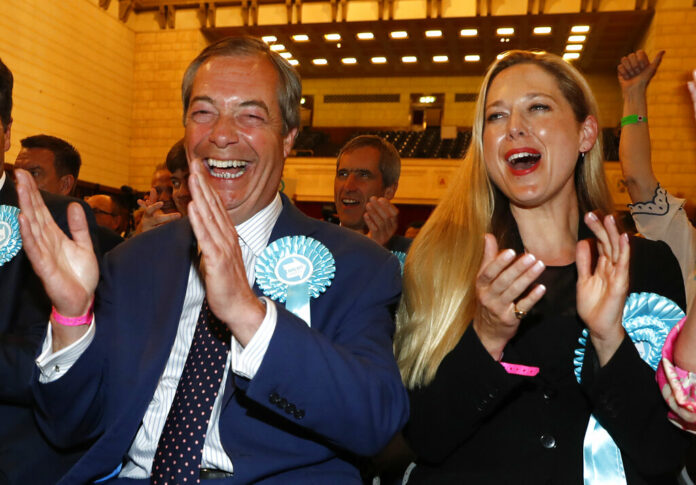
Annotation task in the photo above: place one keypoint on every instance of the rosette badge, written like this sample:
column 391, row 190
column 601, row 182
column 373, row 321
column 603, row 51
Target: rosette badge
column 10, row 239
column 294, row 269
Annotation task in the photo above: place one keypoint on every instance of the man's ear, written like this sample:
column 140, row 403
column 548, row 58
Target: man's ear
column 390, row 191
column 66, row 183
column 589, row 132
column 288, row 142
column 8, row 129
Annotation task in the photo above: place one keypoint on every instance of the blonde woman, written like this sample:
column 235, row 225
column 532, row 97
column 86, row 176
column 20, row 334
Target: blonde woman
column 489, row 327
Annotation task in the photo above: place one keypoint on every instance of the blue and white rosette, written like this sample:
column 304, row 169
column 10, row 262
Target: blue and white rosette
column 648, row 319
column 10, row 239
column 294, row 269
column 401, row 256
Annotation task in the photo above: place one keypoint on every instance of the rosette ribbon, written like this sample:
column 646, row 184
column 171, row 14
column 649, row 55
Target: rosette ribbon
column 10, row 239
column 294, row 269
column 647, row 319
column 401, row 256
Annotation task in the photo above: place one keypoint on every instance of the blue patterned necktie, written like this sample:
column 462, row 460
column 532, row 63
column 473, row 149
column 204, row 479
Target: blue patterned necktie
column 179, row 451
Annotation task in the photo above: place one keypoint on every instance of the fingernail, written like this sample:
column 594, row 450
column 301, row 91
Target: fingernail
column 625, row 236
column 528, row 258
column 539, row 265
column 508, row 254
column 592, row 216
column 611, row 219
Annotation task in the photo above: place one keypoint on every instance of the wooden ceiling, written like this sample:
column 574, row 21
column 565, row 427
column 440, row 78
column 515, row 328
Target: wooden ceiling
column 612, row 35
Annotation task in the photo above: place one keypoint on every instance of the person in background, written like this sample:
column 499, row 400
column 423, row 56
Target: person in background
column 54, row 163
column 367, row 176
column 178, row 167
column 157, row 208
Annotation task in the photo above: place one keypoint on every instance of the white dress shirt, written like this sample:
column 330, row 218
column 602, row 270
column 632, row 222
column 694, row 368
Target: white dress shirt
column 2, row 179
column 245, row 361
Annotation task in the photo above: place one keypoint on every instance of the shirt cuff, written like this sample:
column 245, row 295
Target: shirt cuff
column 52, row 366
column 247, row 360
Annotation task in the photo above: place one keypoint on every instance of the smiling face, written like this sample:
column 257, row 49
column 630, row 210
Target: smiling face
column 531, row 138
column 357, row 179
column 234, row 127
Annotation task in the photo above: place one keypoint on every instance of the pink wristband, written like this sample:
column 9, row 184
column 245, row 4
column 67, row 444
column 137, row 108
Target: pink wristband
column 85, row 319
column 520, row 370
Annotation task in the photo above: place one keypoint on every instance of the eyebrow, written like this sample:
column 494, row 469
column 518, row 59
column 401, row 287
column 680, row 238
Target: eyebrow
column 243, row 104
column 525, row 97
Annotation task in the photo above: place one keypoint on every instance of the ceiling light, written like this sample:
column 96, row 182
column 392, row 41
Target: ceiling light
column 542, row 30
column 468, row 32
column 277, row 47
column 433, row 33
column 574, row 47
column 577, row 38
column 286, row 55
column 300, row 38
column 332, row 37
column 409, row 59
column 365, row 35
column 568, row 56
column 320, row 62
column 302, row 100
column 505, row 31
column 378, row 60
column 293, row 62
column 349, row 60
column 426, row 99
column 269, row 38
column 580, row 29
column 399, row 34
column 440, row 58
column 472, row 58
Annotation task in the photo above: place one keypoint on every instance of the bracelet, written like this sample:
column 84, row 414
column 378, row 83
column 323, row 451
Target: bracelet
column 632, row 119
column 520, row 370
column 85, row 319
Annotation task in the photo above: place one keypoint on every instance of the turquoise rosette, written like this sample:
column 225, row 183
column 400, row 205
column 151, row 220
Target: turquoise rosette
column 401, row 256
column 10, row 239
column 648, row 319
column 294, row 269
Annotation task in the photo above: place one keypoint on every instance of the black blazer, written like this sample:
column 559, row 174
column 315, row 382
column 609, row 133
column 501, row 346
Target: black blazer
column 25, row 455
column 477, row 424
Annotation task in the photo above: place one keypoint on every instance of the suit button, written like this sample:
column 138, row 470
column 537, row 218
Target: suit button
column 299, row 414
column 273, row 398
column 549, row 394
column 547, row 441
column 282, row 403
column 290, row 408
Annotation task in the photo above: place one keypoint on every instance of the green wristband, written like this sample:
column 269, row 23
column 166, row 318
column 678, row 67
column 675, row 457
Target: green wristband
column 632, row 119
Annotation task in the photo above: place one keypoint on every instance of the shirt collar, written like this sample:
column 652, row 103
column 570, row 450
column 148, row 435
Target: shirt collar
column 256, row 231
column 2, row 179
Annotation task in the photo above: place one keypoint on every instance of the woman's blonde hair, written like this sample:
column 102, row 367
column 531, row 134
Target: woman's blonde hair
column 439, row 297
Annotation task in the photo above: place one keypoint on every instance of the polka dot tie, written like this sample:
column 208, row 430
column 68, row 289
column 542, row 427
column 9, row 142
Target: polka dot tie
column 178, row 457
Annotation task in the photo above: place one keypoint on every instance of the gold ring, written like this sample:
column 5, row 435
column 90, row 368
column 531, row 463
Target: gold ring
column 519, row 313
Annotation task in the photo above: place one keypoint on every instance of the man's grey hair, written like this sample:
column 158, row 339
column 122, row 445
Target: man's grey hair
column 389, row 160
column 289, row 86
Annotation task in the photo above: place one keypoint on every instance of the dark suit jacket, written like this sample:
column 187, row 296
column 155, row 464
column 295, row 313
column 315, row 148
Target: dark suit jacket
column 475, row 423
column 399, row 243
column 25, row 455
column 340, row 374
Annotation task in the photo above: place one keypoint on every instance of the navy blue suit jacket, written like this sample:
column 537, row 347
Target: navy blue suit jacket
column 25, row 455
column 340, row 373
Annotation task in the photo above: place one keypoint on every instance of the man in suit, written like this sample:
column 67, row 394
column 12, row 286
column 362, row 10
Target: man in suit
column 367, row 176
column 25, row 455
column 296, row 397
